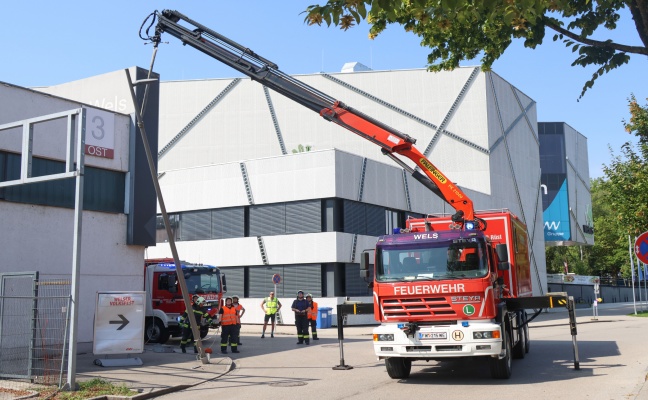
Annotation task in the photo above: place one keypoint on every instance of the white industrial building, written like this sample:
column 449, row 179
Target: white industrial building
column 244, row 197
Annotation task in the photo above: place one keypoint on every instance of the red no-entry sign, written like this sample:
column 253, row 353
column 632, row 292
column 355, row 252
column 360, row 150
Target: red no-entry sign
column 641, row 247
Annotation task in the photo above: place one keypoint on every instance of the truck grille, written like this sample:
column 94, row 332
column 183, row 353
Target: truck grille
column 418, row 307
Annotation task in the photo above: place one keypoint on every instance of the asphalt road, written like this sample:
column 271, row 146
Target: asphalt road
column 611, row 350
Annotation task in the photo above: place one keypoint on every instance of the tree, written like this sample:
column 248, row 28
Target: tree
column 623, row 195
column 610, row 250
column 638, row 124
column 458, row 30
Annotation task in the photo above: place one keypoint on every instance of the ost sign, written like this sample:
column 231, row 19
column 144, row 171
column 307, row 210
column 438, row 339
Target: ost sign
column 119, row 323
column 100, row 133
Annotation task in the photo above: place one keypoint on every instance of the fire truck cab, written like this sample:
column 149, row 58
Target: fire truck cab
column 164, row 300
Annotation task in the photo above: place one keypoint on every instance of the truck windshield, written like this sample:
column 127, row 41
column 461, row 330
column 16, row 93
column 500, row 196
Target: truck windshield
column 202, row 281
column 438, row 260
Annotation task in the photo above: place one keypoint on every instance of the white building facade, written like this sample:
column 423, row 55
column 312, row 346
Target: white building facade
column 260, row 185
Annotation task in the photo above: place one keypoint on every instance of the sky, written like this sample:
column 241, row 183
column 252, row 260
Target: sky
column 46, row 43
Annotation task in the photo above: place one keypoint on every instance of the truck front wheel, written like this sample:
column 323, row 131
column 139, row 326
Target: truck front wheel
column 155, row 331
column 398, row 368
column 501, row 367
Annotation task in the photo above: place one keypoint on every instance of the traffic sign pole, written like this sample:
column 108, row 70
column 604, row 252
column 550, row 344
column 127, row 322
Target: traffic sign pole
column 634, row 300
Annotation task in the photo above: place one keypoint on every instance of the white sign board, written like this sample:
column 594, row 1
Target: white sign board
column 100, row 133
column 119, row 323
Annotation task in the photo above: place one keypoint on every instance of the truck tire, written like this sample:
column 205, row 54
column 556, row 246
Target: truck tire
column 519, row 350
column 398, row 368
column 155, row 332
column 501, row 368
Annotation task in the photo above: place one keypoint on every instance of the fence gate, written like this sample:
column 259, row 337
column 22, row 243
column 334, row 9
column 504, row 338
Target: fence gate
column 34, row 319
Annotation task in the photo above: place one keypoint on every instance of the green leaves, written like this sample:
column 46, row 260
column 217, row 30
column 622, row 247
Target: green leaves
column 458, row 30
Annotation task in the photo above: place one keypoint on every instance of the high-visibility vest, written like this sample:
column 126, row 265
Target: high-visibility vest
column 312, row 312
column 271, row 305
column 238, row 308
column 230, row 316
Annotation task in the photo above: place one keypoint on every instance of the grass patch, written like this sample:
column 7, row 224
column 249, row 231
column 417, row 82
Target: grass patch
column 87, row 389
column 643, row 314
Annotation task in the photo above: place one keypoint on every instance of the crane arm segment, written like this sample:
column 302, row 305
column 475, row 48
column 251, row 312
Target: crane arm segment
column 268, row 74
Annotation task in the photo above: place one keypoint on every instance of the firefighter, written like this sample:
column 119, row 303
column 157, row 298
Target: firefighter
column 312, row 315
column 240, row 310
column 229, row 319
column 300, row 307
column 187, row 333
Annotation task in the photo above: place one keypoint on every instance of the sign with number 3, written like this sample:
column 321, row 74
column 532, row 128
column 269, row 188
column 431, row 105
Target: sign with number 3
column 100, row 133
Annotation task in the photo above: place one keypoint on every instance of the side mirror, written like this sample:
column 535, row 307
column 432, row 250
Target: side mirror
column 503, row 266
column 224, row 284
column 364, row 261
column 364, row 265
column 502, row 252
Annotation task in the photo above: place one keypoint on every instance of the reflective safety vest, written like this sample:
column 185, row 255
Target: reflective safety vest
column 271, row 305
column 312, row 312
column 238, row 308
column 230, row 316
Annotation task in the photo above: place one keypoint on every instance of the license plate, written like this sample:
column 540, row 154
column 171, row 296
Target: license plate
column 433, row 335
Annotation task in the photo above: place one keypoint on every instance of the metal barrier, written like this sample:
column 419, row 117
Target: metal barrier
column 34, row 331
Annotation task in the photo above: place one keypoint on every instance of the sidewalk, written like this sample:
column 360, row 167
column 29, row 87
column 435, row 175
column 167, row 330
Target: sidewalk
column 166, row 370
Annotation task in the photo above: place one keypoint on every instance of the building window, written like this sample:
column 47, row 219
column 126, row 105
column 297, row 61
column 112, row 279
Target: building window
column 160, row 230
column 196, row 225
column 103, row 190
column 228, row 223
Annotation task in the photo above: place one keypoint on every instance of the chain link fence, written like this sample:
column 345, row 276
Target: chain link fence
column 34, row 331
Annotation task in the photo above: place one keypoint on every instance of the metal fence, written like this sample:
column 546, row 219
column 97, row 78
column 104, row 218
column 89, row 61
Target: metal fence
column 34, row 330
column 608, row 294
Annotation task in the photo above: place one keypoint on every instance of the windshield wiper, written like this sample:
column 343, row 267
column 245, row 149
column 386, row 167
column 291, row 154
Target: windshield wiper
column 390, row 279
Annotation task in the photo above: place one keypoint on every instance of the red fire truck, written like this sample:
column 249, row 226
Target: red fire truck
column 164, row 301
column 444, row 286
column 440, row 291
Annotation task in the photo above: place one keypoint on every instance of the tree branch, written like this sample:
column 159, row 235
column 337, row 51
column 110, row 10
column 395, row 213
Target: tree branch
column 639, row 11
column 597, row 43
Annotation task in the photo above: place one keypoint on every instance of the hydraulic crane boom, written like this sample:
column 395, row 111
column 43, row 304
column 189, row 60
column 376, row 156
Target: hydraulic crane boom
column 268, row 74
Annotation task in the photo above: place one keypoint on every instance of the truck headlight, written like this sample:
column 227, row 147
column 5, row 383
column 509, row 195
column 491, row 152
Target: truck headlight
column 383, row 337
column 486, row 335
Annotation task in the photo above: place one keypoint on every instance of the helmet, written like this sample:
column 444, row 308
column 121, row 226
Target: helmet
column 228, row 298
column 199, row 300
column 309, row 295
column 235, row 297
